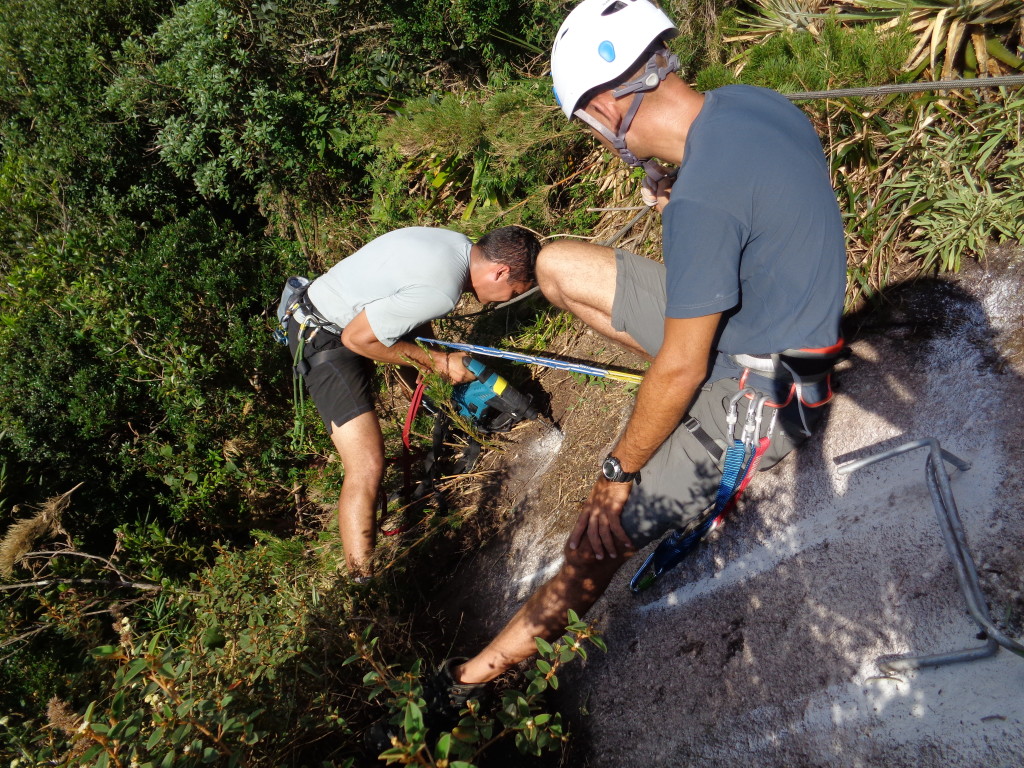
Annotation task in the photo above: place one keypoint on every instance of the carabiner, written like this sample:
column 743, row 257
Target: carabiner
column 733, row 416
column 760, row 414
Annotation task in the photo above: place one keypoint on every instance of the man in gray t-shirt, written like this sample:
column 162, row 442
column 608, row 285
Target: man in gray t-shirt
column 754, row 267
column 364, row 310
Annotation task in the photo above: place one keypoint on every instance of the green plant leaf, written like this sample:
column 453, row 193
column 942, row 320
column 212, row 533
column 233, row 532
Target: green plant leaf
column 413, row 721
column 443, row 746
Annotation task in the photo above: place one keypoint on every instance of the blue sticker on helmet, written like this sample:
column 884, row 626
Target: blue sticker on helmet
column 606, row 51
column 555, row 91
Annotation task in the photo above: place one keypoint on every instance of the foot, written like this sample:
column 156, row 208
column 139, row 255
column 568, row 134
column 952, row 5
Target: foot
column 445, row 699
column 446, row 696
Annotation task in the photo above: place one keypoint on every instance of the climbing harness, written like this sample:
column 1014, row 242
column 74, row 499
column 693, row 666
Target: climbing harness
column 295, row 307
column 287, row 306
column 741, row 460
column 808, row 372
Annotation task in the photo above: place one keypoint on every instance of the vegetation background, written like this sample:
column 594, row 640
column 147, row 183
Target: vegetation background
column 169, row 592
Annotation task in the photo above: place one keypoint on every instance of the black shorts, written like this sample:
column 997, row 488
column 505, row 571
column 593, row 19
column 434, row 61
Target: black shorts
column 341, row 387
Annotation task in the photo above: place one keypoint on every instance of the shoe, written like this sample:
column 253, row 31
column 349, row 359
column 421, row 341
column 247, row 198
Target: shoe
column 446, row 697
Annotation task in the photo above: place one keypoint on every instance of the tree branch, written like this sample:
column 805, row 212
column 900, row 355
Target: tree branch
column 141, row 585
column 75, row 553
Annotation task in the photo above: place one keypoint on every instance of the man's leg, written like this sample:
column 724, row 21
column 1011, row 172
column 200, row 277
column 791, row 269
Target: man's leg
column 583, row 279
column 580, row 277
column 577, row 585
column 360, row 444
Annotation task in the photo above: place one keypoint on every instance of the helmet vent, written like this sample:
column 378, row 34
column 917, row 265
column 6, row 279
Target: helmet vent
column 613, row 8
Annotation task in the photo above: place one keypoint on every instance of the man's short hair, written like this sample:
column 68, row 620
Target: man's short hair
column 515, row 247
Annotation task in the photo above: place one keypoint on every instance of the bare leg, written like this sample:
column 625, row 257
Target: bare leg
column 361, row 446
column 580, row 277
column 577, row 585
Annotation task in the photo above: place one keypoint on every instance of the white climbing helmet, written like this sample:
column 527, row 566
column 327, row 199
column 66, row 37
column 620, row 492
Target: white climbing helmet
column 601, row 40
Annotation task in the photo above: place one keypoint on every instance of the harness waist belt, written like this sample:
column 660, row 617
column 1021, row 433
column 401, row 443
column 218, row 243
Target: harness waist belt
column 807, row 371
column 306, row 313
column 800, row 365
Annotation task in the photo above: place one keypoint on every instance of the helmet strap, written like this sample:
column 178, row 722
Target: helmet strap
column 658, row 67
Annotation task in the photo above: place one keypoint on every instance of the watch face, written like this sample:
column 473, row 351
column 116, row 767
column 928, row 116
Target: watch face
column 611, row 468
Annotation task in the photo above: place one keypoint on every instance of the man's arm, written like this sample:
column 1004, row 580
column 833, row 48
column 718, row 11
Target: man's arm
column 666, row 393
column 360, row 338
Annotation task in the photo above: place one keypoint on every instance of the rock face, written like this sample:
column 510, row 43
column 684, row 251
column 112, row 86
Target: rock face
column 761, row 649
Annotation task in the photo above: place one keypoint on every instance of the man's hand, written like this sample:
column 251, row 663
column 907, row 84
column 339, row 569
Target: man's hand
column 452, row 366
column 656, row 194
column 601, row 520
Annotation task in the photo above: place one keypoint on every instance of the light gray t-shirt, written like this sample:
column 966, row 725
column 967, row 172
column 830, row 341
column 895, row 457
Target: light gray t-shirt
column 402, row 279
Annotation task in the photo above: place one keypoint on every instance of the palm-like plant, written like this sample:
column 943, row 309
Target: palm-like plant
column 947, row 29
column 772, row 17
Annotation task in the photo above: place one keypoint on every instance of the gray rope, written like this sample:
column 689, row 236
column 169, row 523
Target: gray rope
column 937, row 85
column 874, row 90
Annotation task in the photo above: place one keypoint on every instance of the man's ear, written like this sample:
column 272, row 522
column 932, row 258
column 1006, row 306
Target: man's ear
column 501, row 272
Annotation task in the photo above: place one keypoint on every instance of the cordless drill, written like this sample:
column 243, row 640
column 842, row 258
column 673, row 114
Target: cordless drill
column 490, row 401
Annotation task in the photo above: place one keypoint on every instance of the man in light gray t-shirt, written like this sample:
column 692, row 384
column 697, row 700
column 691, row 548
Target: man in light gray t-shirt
column 363, row 310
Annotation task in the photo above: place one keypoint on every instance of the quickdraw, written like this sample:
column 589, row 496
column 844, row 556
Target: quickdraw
column 741, row 461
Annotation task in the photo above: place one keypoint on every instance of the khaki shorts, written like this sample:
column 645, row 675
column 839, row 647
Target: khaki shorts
column 681, row 480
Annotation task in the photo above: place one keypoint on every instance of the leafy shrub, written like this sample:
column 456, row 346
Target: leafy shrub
column 472, row 156
column 243, row 665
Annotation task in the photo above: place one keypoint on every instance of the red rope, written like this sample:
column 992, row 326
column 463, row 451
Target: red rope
column 414, row 407
column 410, row 417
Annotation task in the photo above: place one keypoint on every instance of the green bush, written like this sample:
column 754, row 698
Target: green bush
column 163, row 167
column 261, row 660
column 483, row 158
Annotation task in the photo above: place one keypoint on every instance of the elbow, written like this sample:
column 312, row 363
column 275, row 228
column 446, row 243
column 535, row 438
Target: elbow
column 680, row 373
column 354, row 341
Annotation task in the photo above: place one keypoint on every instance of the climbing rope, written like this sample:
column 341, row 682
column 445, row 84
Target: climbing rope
column 934, row 85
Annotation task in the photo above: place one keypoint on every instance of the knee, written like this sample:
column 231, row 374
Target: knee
column 556, row 264
column 570, row 271
column 366, row 469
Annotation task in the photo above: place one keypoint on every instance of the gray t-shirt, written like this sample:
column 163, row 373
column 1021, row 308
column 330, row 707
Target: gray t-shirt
column 401, row 279
column 753, row 229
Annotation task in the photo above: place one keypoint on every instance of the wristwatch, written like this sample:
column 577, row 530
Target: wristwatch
column 614, row 473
